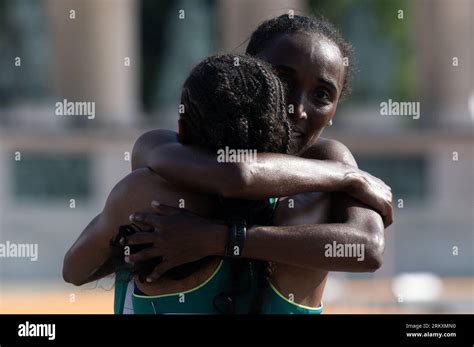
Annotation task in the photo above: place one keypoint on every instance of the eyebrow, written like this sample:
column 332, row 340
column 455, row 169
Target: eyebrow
column 329, row 83
column 323, row 80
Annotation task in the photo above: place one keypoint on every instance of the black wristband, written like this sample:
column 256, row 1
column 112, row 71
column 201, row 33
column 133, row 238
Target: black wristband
column 237, row 235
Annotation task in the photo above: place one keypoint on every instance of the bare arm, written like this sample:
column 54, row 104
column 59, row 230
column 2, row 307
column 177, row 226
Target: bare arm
column 306, row 245
column 179, row 239
column 298, row 245
column 89, row 258
column 272, row 174
column 88, row 254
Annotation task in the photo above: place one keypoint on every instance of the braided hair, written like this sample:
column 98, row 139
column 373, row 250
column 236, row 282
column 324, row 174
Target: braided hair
column 284, row 24
column 239, row 102
column 236, row 101
column 229, row 100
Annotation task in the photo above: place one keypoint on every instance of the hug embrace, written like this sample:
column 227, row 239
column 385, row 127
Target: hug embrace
column 187, row 233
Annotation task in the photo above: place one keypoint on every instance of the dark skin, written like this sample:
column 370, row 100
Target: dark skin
column 87, row 258
column 320, row 218
column 314, row 96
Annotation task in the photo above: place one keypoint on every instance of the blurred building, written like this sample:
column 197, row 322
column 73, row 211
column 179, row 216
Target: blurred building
column 131, row 57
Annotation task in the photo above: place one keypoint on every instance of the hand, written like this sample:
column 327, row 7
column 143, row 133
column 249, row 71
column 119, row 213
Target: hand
column 371, row 191
column 179, row 237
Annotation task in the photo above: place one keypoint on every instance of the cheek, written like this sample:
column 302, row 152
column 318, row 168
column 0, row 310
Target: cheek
column 319, row 117
column 315, row 124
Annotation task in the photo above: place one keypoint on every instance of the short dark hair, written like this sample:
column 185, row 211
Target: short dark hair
column 284, row 24
column 236, row 101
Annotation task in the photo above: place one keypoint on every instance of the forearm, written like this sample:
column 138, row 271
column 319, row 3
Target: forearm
column 309, row 246
column 85, row 260
column 315, row 247
column 271, row 174
column 357, row 230
column 107, row 268
column 279, row 175
column 195, row 169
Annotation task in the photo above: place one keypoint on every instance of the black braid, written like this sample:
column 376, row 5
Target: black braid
column 242, row 107
column 284, row 24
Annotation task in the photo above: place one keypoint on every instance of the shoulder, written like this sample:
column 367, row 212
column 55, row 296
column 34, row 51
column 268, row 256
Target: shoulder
column 329, row 149
column 155, row 137
column 147, row 142
column 135, row 185
column 132, row 192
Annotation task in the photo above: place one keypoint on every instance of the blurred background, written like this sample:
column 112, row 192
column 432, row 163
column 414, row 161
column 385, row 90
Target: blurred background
column 131, row 58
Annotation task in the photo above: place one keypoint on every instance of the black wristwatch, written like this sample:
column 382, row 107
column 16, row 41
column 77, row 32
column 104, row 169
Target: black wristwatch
column 237, row 235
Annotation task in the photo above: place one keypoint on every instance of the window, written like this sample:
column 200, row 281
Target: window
column 171, row 47
column 41, row 176
column 407, row 174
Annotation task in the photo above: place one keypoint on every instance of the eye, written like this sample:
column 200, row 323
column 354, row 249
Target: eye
column 322, row 95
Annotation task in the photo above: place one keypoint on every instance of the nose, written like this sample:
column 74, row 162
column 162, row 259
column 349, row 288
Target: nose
column 300, row 112
column 299, row 109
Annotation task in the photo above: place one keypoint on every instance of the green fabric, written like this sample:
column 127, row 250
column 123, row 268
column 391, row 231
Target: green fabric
column 122, row 277
column 273, row 202
column 200, row 300
column 275, row 303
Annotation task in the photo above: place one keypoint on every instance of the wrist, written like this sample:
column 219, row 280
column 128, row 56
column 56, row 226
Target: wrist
column 220, row 238
column 351, row 180
column 237, row 236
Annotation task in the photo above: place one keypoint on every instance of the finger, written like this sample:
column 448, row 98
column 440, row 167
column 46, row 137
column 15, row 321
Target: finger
column 380, row 205
column 390, row 216
column 145, row 254
column 387, row 216
column 164, row 210
column 387, row 220
column 380, row 182
column 383, row 183
column 158, row 271
column 142, row 237
column 371, row 177
column 151, row 219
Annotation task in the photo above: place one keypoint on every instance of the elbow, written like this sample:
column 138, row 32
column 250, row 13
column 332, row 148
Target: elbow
column 68, row 273
column 139, row 150
column 136, row 160
column 374, row 253
column 69, row 278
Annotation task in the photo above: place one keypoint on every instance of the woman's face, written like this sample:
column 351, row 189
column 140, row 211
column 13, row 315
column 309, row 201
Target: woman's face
column 312, row 67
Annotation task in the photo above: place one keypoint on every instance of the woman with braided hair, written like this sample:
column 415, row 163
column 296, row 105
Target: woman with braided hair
column 229, row 101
